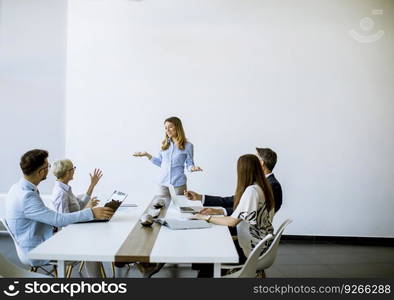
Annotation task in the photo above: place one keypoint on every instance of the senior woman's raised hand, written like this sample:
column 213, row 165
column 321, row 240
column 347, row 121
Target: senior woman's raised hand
column 95, row 178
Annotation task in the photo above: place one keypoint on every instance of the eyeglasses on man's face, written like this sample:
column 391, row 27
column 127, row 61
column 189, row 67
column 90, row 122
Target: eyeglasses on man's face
column 47, row 167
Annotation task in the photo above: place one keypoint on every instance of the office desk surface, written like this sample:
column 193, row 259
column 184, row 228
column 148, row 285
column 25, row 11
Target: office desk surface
column 89, row 241
column 102, row 241
column 208, row 245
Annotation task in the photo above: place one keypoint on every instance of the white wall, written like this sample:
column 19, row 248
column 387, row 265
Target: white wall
column 240, row 74
column 32, row 83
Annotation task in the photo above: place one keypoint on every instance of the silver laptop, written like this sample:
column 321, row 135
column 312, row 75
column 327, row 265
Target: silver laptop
column 183, row 204
column 114, row 201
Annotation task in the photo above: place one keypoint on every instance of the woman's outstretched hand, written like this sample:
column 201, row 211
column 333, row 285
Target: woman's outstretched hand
column 199, row 217
column 142, row 154
column 196, row 169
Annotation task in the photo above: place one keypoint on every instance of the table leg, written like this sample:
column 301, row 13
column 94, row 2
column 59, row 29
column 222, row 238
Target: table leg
column 60, row 269
column 216, row 271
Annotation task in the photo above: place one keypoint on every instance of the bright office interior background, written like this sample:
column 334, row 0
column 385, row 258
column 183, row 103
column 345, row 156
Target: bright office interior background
column 93, row 81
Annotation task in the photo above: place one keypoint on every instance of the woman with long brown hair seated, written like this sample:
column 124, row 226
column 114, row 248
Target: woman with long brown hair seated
column 253, row 207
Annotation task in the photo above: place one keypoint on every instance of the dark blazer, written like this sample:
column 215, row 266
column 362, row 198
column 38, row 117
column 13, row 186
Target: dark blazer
column 227, row 202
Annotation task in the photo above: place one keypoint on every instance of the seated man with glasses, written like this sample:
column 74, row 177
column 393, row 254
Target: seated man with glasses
column 29, row 220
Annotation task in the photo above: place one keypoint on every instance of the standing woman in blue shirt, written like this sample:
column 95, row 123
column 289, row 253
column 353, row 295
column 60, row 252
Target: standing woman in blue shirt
column 176, row 154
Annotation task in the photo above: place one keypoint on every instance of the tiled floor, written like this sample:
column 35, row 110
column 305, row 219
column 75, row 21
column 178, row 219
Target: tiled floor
column 327, row 259
column 295, row 259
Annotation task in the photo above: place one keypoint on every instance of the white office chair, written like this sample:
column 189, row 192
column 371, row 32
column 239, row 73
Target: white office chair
column 267, row 259
column 248, row 270
column 9, row 270
column 24, row 260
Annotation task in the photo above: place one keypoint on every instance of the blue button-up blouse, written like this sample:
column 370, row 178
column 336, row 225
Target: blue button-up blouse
column 172, row 164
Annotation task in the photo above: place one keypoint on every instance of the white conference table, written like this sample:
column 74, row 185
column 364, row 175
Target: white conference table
column 102, row 241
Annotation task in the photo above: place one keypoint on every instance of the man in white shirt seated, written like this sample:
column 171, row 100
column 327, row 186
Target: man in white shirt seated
column 29, row 220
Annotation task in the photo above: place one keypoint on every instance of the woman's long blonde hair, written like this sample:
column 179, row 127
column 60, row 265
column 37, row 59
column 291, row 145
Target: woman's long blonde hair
column 180, row 139
column 250, row 172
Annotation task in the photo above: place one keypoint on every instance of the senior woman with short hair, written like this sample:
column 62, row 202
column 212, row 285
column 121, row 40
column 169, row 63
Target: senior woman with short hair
column 65, row 201
column 63, row 198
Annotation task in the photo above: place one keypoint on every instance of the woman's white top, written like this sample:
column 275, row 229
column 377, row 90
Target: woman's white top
column 256, row 220
column 65, row 201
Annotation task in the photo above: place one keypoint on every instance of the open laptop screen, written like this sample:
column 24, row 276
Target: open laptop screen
column 114, row 201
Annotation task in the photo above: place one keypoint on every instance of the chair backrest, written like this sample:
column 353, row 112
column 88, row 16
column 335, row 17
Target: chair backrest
column 9, row 270
column 267, row 259
column 249, row 268
column 24, row 260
